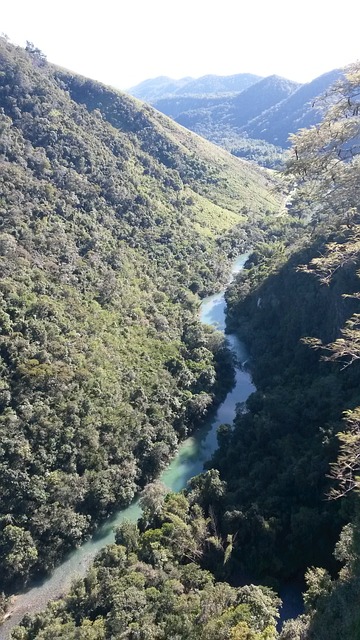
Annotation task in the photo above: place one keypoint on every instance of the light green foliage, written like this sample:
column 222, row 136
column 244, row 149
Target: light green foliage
column 325, row 157
column 127, row 535
column 152, row 499
column 207, row 488
column 346, row 469
column 295, row 629
column 17, row 551
column 345, row 549
column 318, row 583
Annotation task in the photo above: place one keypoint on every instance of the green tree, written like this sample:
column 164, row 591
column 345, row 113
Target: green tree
column 325, row 159
column 152, row 499
column 326, row 162
column 127, row 534
column 17, row 551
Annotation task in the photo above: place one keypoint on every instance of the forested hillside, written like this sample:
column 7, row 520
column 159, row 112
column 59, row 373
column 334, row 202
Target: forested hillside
column 235, row 110
column 113, row 220
column 292, row 461
column 276, row 461
column 150, row 584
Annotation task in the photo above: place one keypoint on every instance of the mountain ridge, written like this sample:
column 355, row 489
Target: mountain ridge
column 148, row 90
column 254, row 123
column 293, row 113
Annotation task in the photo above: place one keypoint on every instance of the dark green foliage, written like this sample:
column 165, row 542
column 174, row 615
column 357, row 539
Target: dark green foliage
column 153, row 587
column 327, row 159
column 276, row 460
column 112, row 221
column 332, row 606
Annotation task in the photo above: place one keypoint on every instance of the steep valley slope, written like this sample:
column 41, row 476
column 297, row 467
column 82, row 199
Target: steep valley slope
column 113, row 220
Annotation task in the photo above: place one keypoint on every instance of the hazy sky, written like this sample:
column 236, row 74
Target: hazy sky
column 123, row 42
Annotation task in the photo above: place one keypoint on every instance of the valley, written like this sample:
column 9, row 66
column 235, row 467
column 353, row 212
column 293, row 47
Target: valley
column 117, row 224
column 189, row 461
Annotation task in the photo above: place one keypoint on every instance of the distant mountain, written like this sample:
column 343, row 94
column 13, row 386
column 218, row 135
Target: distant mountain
column 258, row 98
column 214, row 85
column 155, row 88
column 220, row 119
column 252, row 123
column 295, row 112
column 209, row 85
column 238, row 110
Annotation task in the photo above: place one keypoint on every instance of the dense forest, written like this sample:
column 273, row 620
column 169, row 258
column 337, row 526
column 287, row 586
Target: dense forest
column 113, row 222
column 291, row 461
column 105, row 365
column 150, row 584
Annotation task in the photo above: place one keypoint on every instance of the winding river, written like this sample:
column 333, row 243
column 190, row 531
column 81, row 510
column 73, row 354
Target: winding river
column 189, row 461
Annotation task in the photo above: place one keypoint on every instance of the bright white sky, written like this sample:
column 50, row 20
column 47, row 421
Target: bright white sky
column 122, row 42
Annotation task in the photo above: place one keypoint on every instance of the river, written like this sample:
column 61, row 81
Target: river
column 188, row 462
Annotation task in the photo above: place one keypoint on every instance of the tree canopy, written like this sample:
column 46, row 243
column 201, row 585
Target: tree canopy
column 113, row 221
